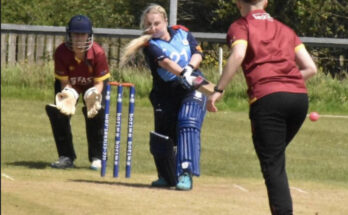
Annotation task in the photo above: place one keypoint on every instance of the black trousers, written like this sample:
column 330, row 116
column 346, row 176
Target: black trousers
column 94, row 130
column 275, row 120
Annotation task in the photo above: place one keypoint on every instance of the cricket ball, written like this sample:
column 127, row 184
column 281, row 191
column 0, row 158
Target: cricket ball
column 314, row 116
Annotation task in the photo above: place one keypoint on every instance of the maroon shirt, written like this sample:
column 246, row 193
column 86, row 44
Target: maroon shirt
column 81, row 74
column 269, row 65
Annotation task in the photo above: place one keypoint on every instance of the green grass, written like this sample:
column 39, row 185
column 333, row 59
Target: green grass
column 317, row 162
column 327, row 95
column 317, row 159
column 319, row 152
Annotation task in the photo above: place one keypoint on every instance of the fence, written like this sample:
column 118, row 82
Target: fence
column 36, row 44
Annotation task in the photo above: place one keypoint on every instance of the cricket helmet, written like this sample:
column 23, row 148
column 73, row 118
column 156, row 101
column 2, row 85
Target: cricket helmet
column 80, row 24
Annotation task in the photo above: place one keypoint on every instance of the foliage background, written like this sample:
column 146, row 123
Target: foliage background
column 310, row 18
column 323, row 18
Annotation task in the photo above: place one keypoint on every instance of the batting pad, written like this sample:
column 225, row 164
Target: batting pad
column 189, row 149
column 189, row 143
column 161, row 147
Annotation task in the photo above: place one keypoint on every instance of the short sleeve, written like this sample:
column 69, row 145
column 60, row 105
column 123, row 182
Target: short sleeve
column 60, row 69
column 237, row 31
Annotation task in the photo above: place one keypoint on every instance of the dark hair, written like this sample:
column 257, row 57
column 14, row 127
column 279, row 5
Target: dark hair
column 251, row 1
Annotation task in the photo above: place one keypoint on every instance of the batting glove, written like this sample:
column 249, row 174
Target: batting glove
column 186, row 78
column 93, row 101
column 66, row 100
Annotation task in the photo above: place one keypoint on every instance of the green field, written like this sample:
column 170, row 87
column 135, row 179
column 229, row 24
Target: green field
column 230, row 182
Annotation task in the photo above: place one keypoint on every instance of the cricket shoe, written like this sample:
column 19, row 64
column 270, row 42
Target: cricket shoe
column 184, row 182
column 160, row 182
column 96, row 164
column 63, row 162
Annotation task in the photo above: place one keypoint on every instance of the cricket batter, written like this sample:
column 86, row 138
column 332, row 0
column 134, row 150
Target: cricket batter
column 80, row 68
column 173, row 56
column 276, row 65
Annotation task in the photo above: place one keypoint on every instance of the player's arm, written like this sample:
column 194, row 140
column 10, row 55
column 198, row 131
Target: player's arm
column 195, row 60
column 67, row 98
column 93, row 98
column 64, row 83
column 305, row 62
column 196, row 50
column 171, row 66
column 234, row 61
column 93, row 95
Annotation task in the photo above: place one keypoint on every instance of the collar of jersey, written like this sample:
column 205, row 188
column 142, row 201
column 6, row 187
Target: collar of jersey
column 171, row 33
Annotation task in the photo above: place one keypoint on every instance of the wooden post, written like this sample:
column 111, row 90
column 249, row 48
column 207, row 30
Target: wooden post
column 119, row 47
column 113, row 52
column 58, row 40
column 105, row 46
column 31, row 48
column 3, row 48
column 21, row 47
column 40, row 44
column 12, row 48
column 49, row 47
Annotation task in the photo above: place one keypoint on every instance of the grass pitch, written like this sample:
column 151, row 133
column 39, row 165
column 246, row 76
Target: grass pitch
column 230, row 182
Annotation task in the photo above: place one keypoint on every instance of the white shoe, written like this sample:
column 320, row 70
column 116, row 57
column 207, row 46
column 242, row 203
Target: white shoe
column 96, row 164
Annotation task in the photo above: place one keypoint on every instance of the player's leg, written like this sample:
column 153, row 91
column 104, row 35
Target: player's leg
column 297, row 114
column 95, row 132
column 61, row 129
column 161, row 148
column 269, row 117
column 163, row 141
column 190, row 119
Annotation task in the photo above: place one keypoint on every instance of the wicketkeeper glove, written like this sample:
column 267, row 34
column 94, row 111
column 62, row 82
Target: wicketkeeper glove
column 93, row 101
column 66, row 100
column 186, row 77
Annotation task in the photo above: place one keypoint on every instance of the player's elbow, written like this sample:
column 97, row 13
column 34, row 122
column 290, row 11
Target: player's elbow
column 238, row 57
column 312, row 69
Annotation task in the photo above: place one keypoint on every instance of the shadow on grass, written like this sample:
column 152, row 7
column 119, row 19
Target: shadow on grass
column 31, row 164
column 136, row 185
column 40, row 165
column 113, row 183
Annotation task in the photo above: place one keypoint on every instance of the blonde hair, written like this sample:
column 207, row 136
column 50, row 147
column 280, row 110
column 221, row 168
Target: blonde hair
column 133, row 46
column 152, row 8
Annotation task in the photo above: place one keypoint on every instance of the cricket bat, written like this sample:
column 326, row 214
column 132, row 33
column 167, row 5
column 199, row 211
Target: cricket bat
column 204, row 86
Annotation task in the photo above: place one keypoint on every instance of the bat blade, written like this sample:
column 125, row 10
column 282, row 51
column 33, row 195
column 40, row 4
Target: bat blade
column 204, row 86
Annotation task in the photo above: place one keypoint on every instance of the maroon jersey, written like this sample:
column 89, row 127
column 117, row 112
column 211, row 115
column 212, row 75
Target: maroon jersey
column 269, row 65
column 81, row 74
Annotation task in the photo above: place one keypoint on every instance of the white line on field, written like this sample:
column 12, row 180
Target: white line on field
column 332, row 116
column 240, row 187
column 7, row 176
column 298, row 189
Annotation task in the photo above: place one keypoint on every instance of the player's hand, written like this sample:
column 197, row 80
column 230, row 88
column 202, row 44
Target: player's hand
column 212, row 100
column 186, row 78
column 187, row 71
column 93, row 101
column 66, row 100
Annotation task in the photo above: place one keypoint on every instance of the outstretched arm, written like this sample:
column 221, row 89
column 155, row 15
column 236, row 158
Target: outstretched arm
column 233, row 63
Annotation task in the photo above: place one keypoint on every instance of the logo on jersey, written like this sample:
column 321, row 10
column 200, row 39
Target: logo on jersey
column 199, row 48
column 71, row 68
column 81, row 80
column 262, row 16
column 185, row 42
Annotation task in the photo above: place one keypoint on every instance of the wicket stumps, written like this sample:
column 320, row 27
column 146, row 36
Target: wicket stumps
column 118, row 128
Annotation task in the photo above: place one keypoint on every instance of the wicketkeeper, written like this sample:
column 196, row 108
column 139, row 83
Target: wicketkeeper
column 81, row 69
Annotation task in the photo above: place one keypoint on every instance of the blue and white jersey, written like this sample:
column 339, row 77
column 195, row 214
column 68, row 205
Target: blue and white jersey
column 179, row 49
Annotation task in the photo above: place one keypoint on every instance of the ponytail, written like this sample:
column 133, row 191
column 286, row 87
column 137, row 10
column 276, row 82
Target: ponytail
column 133, row 47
